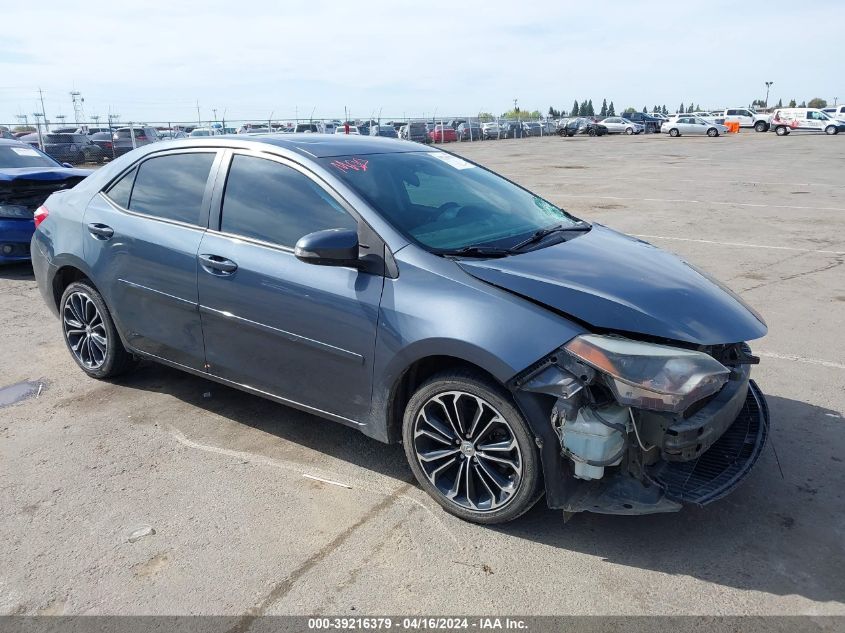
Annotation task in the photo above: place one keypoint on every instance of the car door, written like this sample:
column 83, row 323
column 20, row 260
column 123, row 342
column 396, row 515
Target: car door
column 301, row 332
column 142, row 233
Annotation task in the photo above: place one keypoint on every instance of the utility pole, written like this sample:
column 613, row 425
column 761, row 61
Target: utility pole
column 768, row 85
column 199, row 123
column 38, row 116
column 43, row 112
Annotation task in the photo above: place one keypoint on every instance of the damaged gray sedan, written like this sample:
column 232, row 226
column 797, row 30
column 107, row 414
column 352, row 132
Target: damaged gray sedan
column 513, row 349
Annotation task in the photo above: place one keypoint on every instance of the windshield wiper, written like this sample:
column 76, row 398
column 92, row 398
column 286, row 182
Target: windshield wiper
column 539, row 235
column 478, row 251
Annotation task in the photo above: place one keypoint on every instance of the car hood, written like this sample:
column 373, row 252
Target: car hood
column 12, row 174
column 614, row 282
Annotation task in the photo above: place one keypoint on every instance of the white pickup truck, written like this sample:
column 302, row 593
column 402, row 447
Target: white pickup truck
column 746, row 117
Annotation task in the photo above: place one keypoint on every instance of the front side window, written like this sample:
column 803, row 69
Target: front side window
column 172, row 187
column 274, row 203
column 443, row 202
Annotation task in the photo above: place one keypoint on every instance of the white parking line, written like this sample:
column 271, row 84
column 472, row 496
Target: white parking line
column 327, row 481
column 728, row 204
column 741, row 244
column 801, row 359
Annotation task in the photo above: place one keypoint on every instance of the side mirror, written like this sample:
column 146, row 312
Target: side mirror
column 68, row 165
column 332, row 247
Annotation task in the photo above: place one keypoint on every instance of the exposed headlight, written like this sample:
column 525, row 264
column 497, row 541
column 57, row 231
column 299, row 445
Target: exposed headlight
column 650, row 376
column 15, row 211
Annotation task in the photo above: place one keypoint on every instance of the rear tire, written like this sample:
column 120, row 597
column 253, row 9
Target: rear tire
column 470, row 448
column 674, row 132
column 90, row 334
column 781, row 130
column 761, row 126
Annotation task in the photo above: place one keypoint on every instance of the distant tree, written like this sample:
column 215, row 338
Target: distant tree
column 629, row 110
column 689, row 109
column 575, row 110
column 555, row 114
column 603, row 111
column 645, row 109
column 681, row 109
column 780, row 103
column 791, row 103
column 23, row 128
column 803, row 105
column 817, row 102
column 584, row 109
column 484, row 117
column 611, row 111
column 590, row 108
column 665, row 109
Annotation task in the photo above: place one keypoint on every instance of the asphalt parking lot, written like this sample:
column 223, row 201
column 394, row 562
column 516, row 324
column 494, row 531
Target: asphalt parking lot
column 260, row 509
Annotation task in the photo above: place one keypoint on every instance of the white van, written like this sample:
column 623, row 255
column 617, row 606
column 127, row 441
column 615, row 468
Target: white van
column 786, row 120
column 836, row 112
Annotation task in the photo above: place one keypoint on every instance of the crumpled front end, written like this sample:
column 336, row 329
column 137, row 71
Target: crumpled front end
column 640, row 428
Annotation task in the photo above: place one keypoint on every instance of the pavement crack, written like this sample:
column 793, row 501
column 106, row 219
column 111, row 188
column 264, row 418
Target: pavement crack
column 838, row 261
column 281, row 589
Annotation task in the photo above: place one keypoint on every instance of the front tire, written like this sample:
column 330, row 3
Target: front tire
column 831, row 130
column 712, row 132
column 674, row 132
column 629, row 131
column 89, row 333
column 470, row 448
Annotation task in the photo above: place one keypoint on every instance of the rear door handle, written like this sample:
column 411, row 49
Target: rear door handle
column 217, row 264
column 100, row 231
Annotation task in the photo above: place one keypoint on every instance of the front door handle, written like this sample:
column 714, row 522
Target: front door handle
column 217, row 264
column 100, row 231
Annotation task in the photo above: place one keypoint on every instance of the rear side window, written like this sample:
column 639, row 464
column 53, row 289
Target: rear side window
column 172, row 187
column 275, row 203
column 119, row 191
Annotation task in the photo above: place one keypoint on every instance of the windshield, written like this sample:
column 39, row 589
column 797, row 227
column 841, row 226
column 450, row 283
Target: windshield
column 443, row 202
column 15, row 156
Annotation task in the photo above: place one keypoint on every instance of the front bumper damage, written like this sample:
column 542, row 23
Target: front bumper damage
column 695, row 457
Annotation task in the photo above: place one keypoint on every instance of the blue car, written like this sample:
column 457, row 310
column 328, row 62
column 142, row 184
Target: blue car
column 510, row 347
column 27, row 178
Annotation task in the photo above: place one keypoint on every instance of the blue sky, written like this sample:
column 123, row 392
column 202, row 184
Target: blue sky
column 153, row 61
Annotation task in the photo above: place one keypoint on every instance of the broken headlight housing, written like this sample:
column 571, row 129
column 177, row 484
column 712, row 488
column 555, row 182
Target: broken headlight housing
column 650, row 376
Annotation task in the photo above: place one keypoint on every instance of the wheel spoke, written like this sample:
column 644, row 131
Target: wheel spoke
column 432, row 456
column 445, row 408
column 442, row 429
column 505, row 445
column 497, row 479
column 456, row 486
column 499, row 460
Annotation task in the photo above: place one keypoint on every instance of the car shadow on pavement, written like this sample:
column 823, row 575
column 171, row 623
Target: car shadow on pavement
column 776, row 534
column 779, row 534
column 291, row 425
column 18, row 271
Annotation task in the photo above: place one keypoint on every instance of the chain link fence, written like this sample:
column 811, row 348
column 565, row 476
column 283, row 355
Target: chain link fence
column 96, row 142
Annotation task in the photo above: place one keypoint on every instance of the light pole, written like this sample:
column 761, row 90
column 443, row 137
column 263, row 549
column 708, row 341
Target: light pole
column 768, row 85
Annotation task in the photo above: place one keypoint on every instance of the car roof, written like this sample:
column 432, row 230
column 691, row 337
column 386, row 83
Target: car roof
column 308, row 145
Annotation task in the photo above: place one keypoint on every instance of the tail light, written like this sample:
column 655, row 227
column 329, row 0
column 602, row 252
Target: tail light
column 40, row 215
